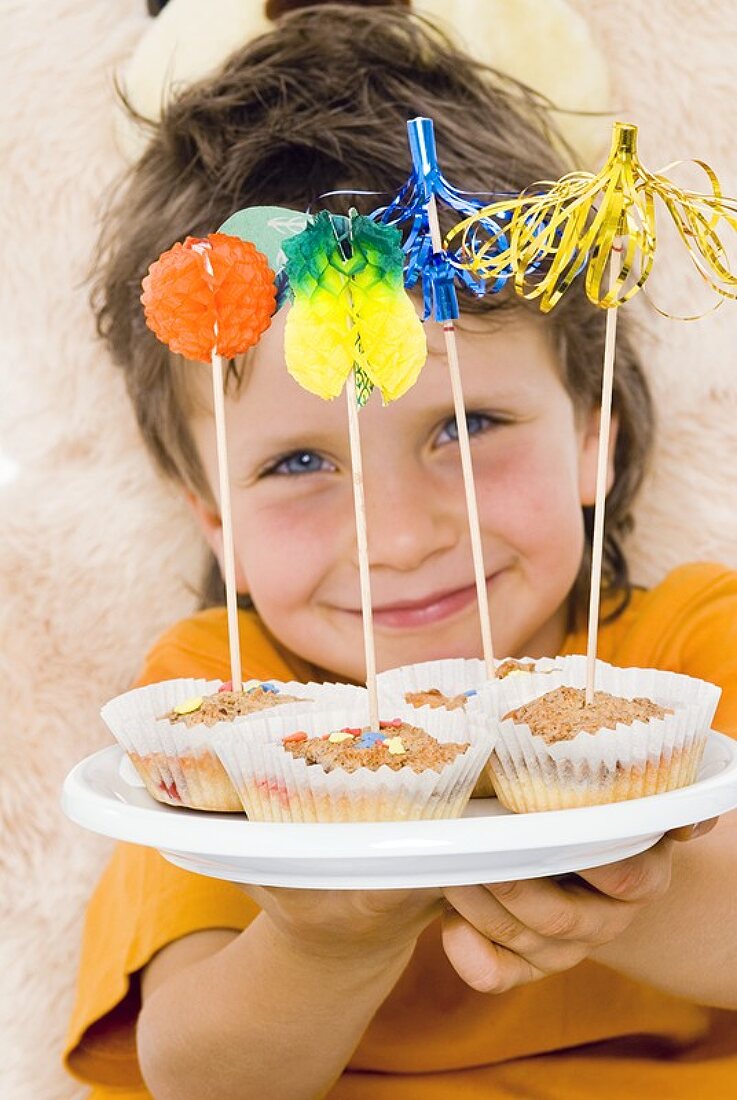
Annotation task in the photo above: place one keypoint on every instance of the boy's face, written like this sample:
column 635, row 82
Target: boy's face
column 292, row 502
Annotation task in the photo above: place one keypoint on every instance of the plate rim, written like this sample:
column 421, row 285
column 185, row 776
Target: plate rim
column 224, row 836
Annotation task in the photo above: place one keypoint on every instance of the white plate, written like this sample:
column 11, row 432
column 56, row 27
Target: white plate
column 488, row 844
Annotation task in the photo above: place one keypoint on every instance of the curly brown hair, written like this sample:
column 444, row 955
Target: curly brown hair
column 319, row 104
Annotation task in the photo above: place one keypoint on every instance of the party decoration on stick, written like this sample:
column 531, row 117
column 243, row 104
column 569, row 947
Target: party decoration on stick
column 602, row 224
column 438, row 269
column 416, row 210
column 211, row 299
column 267, row 227
column 352, row 326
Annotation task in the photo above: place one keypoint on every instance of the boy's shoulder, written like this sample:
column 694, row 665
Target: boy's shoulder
column 688, row 619
column 198, row 647
column 690, row 588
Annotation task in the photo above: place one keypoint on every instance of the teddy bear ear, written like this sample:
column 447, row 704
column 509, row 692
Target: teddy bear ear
column 547, row 46
column 550, row 48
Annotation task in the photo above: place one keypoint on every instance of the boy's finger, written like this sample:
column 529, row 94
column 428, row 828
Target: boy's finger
column 530, row 917
column 492, row 920
column 691, row 832
column 483, row 965
column 640, row 878
column 572, row 912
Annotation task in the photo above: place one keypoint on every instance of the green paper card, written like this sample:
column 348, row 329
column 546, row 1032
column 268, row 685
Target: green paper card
column 267, row 227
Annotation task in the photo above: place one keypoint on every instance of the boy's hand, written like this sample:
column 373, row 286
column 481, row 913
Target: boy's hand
column 506, row 934
column 344, row 923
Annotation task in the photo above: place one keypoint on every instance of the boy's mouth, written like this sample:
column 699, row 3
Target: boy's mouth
column 411, row 614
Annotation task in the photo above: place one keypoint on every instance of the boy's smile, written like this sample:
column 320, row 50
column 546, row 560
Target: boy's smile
column 429, row 609
column 295, row 542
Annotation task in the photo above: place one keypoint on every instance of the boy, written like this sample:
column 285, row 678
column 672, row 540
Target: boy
column 263, row 992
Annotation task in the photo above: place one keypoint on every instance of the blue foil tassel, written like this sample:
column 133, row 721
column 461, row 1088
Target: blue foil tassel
column 438, row 272
column 439, row 275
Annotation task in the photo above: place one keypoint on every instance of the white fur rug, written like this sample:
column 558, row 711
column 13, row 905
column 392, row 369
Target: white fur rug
column 95, row 554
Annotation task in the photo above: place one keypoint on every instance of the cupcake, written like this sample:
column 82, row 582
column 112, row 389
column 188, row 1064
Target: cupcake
column 225, row 705
column 167, row 730
column 511, row 667
column 450, row 685
column 643, row 734
column 315, row 767
column 434, row 698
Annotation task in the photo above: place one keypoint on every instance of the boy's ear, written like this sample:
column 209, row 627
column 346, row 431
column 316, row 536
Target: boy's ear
column 211, row 525
column 590, row 454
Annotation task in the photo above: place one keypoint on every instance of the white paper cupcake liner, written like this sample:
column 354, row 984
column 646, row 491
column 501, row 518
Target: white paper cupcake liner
column 452, row 677
column 128, row 773
column 630, row 761
column 275, row 786
column 176, row 761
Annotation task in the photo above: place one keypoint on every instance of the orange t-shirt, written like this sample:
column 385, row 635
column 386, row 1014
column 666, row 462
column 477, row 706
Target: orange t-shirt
column 586, row 1032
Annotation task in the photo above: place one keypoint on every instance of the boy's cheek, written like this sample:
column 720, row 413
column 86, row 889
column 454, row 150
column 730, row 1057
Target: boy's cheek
column 527, row 492
column 286, row 550
column 281, row 574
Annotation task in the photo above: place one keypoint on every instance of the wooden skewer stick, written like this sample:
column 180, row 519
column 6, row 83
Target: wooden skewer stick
column 602, row 470
column 221, row 440
column 466, row 465
column 231, row 596
column 359, row 504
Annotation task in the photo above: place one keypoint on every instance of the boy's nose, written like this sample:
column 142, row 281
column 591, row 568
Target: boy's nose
column 408, row 521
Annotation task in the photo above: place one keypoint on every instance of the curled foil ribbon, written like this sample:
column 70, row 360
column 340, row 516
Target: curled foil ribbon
column 439, row 272
column 561, row 229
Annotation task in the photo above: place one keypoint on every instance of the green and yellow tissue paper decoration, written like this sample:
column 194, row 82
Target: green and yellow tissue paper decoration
column 350, row 311
column 352, row 326
column 602, row 228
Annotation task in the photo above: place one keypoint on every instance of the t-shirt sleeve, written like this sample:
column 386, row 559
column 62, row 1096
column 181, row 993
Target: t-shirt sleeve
column 198, row 647
column 703, row 633
column 141, row 904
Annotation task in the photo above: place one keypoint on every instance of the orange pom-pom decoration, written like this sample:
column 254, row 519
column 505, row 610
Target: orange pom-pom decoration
column 183, row 301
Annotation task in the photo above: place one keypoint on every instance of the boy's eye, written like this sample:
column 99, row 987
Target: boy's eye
column 300, row 462
column 476, row 422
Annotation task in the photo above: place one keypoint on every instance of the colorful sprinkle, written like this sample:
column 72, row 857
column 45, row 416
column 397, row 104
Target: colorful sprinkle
column 189, row 706
column 170, row 789
column 227, row 686
column 469, row 693
column 271, row 688
column 355, row 731
column 369, row 739
column 395, row 745
column 300, row 735
column 340, row 735
column 394, row 723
